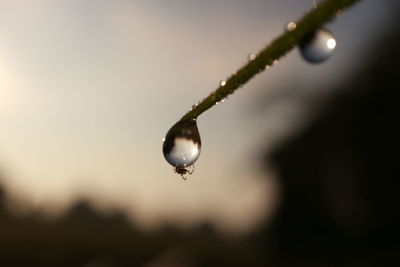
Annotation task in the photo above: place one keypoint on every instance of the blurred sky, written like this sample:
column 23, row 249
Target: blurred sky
column 88, row 90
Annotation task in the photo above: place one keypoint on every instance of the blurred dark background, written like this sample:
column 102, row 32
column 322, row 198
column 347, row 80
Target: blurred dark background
column 339, row 202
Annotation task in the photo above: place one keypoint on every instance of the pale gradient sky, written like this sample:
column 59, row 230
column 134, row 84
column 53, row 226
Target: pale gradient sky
column 88, row 90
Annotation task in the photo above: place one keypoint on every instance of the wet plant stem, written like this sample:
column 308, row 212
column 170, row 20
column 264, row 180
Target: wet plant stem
column 324, row 12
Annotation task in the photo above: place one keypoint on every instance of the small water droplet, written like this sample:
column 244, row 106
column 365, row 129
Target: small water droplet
column 275, row 62
column 193, row 106
column 182, row 145
column 291, row 26
column 251, row 57
column 318, row 46
column 222, row 101
column 222, row 83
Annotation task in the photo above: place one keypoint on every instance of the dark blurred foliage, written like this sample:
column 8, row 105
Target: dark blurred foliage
column 339, row 207
column 85, row 237
column 340, row 200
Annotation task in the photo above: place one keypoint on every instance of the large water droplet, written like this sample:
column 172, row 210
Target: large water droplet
column 182, row 145
column 318, row 46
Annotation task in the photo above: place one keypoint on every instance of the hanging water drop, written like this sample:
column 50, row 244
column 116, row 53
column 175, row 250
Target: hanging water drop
column 182, row 146
column 222, row 83
column 318, row 46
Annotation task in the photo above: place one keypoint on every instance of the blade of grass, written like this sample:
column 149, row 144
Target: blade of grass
column 311, row 21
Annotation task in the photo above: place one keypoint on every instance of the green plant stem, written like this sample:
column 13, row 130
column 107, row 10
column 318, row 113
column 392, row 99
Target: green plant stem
column 313, row 20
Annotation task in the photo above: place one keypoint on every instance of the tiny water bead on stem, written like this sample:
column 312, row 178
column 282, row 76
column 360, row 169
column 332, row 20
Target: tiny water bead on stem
column 318, row 46
column 182, row 146
column 251, row 57
column 291, row 26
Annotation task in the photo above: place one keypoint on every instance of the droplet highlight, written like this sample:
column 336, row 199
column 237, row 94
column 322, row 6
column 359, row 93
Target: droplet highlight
column 182, row 146
column 318, row 46
column 222, row 83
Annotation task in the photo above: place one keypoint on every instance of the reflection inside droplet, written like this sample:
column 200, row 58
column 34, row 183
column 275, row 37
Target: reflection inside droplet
column 222, row 83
